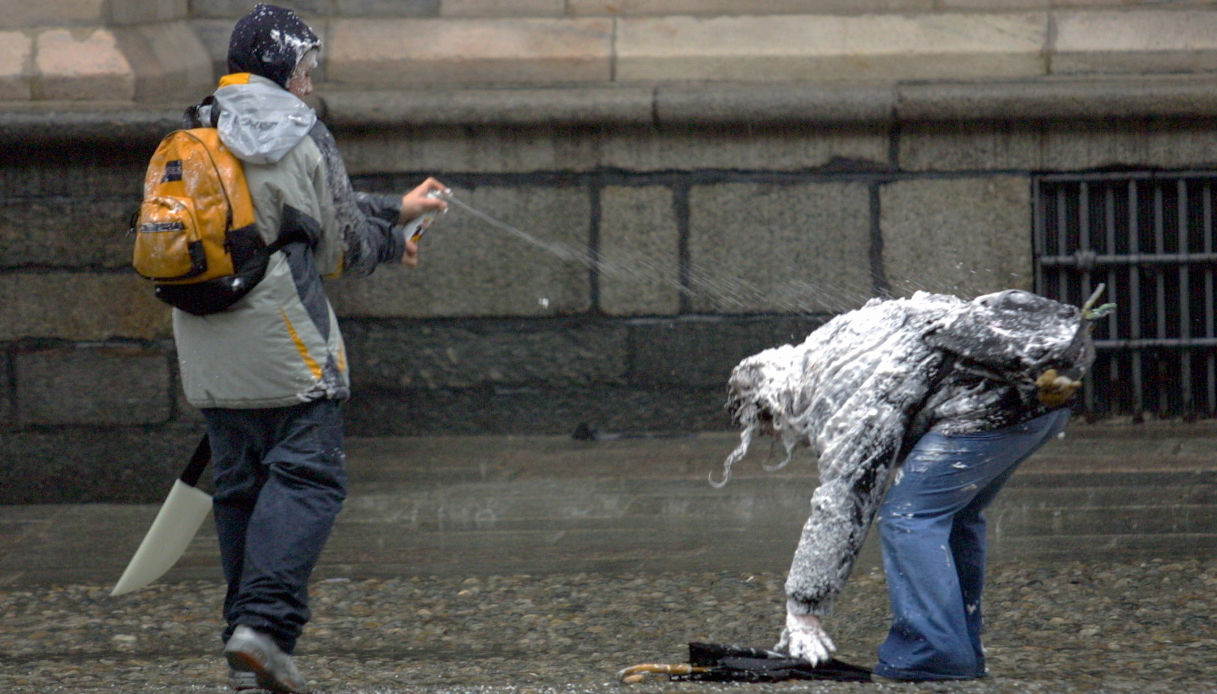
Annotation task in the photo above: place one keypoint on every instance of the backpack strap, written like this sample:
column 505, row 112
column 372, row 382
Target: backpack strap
column 205, row 114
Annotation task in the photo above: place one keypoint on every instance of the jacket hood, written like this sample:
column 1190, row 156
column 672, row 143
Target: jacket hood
column 269, row 42
column 1015, row 332
column 259, row 120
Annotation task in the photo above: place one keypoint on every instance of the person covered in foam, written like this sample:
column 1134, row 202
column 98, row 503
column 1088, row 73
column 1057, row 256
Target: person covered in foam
column 918, row 411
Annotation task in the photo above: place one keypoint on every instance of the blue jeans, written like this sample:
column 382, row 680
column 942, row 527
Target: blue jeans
column 932, row 528
column 280, row 482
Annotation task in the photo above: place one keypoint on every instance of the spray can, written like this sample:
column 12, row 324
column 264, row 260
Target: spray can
column 415, row 227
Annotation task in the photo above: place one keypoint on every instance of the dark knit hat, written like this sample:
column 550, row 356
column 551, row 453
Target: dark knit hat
column 270, row 41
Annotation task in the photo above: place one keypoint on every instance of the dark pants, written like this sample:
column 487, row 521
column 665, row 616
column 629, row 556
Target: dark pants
column 280, row 483
column 933, row 530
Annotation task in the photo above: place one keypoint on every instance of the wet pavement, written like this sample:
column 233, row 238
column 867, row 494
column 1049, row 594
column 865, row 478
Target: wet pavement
column 512, row 564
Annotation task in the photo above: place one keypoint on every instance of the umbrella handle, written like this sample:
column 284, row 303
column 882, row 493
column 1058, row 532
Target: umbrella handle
column 637, row 673
column 198, row 462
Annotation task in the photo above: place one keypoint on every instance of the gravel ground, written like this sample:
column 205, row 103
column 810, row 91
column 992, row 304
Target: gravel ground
column 1077, row 627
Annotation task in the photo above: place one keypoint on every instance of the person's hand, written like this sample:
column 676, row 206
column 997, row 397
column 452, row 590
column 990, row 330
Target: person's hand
column 416, row 203
column 410, row 257
column 1055, row 389
column 805, row 638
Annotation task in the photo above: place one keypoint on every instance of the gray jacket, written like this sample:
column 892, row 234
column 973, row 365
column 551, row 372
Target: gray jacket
column 280, row 345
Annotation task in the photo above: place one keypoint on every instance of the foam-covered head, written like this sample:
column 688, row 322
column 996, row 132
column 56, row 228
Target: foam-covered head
column 1014, row 330
column 270, row 42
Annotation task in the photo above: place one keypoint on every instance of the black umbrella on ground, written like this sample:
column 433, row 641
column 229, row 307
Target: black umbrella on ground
column 712, row 662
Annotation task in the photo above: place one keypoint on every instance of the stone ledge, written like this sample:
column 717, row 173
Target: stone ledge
column 1180, row 96
column 401, row 52
column 167, row 56
column 524, row 106
column 20, row 15
column 166, row 59
column 83, row 64
column 1175, row 96
column 776, row 104
column 134, row 63
column 1136, row 40
column 968, row 43
column 832, row 48
column 108, row 123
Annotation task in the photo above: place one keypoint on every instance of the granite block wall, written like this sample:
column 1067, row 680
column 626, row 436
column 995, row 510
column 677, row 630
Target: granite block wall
column 652, row 229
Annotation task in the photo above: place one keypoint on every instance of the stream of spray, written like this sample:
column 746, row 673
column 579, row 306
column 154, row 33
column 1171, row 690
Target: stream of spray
column 795, row 296
column 800, row 297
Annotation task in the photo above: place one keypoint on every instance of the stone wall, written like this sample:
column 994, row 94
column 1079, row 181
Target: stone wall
column 164, row 51
column 726, row 214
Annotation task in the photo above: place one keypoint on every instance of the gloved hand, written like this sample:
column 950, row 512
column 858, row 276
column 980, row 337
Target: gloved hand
column 805, row 638
column 1055, row 389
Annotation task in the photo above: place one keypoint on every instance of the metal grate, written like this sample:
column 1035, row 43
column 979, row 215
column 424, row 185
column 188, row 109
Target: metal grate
column 1149, row 238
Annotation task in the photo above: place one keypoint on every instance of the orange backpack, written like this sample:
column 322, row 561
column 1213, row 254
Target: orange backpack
column 195, row 236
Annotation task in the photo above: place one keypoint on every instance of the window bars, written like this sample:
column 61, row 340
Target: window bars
column 1149, row 237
